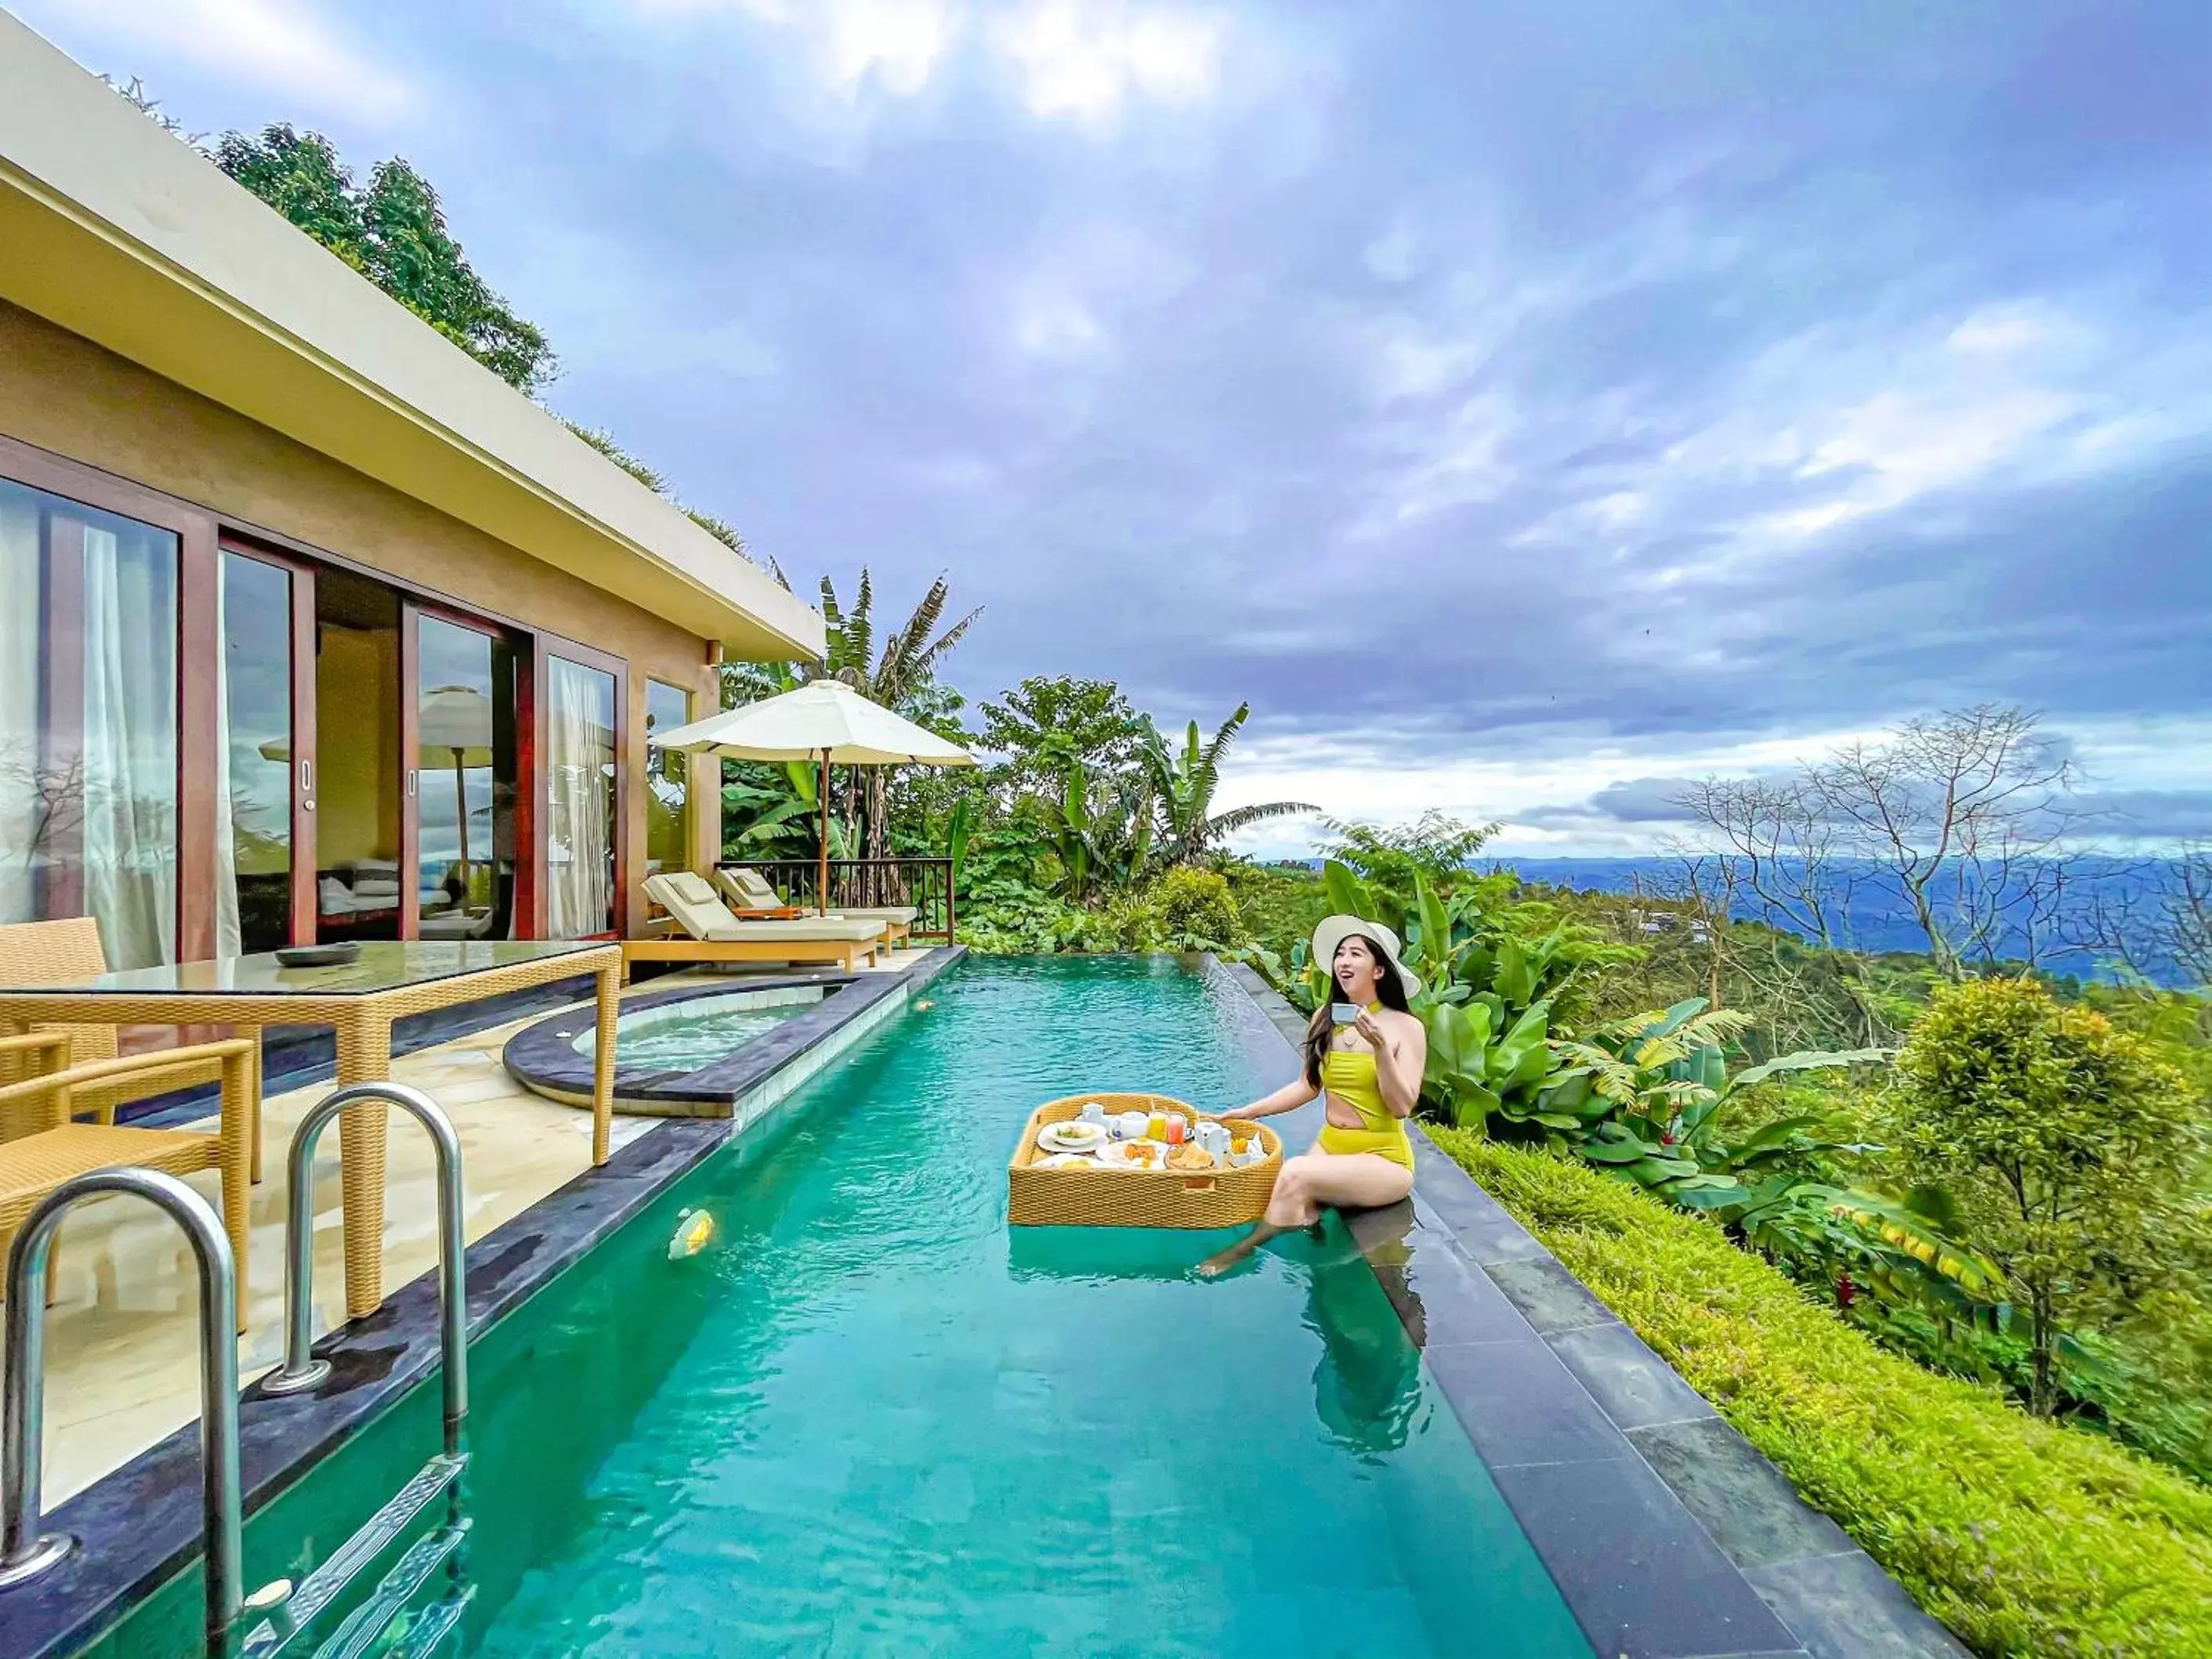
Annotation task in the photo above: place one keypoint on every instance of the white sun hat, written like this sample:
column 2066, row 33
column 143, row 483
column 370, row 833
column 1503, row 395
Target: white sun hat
column 1335, row 930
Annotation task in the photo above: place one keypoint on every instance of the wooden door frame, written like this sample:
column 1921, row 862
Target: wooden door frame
column 306, row 896
column 198, row 639
column 546, row 647
column 412, row 610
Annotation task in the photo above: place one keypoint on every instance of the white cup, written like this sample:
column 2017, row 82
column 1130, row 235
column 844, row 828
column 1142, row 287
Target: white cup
column 1093, row 1113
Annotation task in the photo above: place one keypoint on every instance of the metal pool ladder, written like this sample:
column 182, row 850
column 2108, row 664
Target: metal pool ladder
column 291, row 1609
column 285, row 1610
column 25, row 1555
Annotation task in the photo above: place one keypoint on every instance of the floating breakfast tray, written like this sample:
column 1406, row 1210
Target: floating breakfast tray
column 1075, row 1196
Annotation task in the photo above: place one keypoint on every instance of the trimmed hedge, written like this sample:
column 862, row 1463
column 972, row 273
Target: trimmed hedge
column 2024, row 1537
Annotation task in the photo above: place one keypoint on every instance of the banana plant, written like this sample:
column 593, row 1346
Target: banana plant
column 957, row 829
column 1475, row 1069
column 1643, row 1098
column 1100, row 836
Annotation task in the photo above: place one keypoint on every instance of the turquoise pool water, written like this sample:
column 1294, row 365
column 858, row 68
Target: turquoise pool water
column 894, row 1429
column 696, row 1032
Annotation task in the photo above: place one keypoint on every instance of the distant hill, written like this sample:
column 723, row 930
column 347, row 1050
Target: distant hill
column 1875, row 917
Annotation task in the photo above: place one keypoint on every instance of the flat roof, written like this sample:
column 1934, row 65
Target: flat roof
column 113, row 230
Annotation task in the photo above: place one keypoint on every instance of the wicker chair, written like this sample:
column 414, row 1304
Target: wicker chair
column 55, row 1074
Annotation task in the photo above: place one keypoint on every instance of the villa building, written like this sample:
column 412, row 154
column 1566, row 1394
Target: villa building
column 310, row 627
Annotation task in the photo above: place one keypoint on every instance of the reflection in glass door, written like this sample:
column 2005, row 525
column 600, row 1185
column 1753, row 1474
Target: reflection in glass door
column 579, row 795
column 465, row 787
column 268, row 797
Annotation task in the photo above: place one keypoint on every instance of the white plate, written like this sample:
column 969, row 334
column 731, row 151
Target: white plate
column 1116, row 1155
column 1067, row 1161
column 1071, row 1137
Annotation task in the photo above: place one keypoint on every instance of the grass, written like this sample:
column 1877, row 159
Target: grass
column 2024, row 1537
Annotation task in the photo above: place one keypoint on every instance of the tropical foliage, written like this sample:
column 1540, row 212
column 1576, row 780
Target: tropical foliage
column 2065, row 1143
column 2025, row 1538
column 1185, row 781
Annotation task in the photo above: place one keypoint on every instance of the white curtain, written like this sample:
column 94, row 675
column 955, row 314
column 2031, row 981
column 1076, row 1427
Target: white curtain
column 580, row 837
column 19, row 702
column 227, row 940
column 130, row 747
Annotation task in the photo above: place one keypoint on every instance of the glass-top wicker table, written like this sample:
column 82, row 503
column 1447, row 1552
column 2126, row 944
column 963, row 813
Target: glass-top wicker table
column 359, row 1000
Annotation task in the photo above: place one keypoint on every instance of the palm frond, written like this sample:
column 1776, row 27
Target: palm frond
column 895, row 671
column 860, row 629
column 1717, row 1026
column 1242, row 818
column 927, row 662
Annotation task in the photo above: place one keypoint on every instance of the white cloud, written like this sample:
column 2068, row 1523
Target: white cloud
column 1057, row 327
column 898, row 43
column 1397, row 255
column 268, row 42
column 1452, row 461
column 1364, row 776
column 1082, row 59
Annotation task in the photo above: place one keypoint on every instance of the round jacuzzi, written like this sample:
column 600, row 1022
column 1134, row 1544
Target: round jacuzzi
column 685, row 1052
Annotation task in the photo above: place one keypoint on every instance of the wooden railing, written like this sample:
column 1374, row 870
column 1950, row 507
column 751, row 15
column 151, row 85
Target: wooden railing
column 926, row 884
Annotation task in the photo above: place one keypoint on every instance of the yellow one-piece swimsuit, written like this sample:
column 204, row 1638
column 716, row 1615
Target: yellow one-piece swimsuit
column 1349, row 1075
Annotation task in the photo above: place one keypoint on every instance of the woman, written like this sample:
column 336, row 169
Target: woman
column 1368, row 1071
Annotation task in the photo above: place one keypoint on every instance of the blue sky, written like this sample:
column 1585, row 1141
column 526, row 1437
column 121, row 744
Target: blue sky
column 1521, row 402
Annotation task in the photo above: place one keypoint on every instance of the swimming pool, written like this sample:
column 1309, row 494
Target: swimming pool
column 866, row 1419
column 898, row 1430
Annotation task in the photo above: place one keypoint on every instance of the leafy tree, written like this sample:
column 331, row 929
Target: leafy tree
column 1186, row 781
column 1101, row 831
column 1197, row 909
column 394, row 232
column 1047, row 720
column 2063, row 1141
column 1390, row 860
column 901, row 676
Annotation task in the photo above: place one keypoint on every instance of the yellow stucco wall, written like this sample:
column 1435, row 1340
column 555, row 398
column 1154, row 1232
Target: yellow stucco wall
column 63, row 394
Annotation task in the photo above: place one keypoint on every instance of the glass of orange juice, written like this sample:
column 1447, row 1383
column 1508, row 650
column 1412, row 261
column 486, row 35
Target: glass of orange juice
column 1156, row 1127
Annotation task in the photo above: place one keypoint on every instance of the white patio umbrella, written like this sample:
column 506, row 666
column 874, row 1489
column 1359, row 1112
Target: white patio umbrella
column 826, row 721
column 456, row 720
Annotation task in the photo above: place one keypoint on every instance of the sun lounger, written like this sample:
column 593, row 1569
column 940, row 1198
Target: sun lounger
column 714, row 935
column 748, row 890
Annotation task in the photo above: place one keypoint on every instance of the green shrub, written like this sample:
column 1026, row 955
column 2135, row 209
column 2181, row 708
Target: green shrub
column 2024, row 1536
column 1196, row 909
column 2063, row 1142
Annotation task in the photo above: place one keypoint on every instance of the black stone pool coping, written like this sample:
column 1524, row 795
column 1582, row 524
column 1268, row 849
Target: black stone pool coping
column 1665, row 1530
column 139, row 1526
column 544, row 1054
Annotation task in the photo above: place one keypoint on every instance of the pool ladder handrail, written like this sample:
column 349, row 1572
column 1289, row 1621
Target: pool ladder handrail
column 25, row 1555
column 292, row 1608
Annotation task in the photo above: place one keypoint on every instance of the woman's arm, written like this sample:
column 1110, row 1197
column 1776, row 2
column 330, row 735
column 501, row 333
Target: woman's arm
column 1288, row 1098
column 1401, row 1056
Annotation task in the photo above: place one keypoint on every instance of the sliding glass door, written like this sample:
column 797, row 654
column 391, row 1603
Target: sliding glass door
column 266, row 888
column 463, row 791
column 581, row 796
column 88, row 722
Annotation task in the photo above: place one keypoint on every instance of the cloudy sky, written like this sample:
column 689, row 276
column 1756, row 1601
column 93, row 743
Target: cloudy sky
column 1519, row 401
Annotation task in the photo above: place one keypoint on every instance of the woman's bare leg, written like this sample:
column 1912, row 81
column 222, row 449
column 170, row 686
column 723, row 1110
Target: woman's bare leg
column 1306, row 1184
column 1360, row 1181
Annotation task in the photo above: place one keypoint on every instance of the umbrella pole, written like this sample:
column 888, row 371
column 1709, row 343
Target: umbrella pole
column 822, row 890
column 461, row 806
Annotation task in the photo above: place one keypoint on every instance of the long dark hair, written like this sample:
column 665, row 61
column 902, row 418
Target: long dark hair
column 1389, row 991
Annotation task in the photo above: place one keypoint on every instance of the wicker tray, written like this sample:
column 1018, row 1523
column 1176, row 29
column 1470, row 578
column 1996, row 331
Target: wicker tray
column 1134, row 1198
